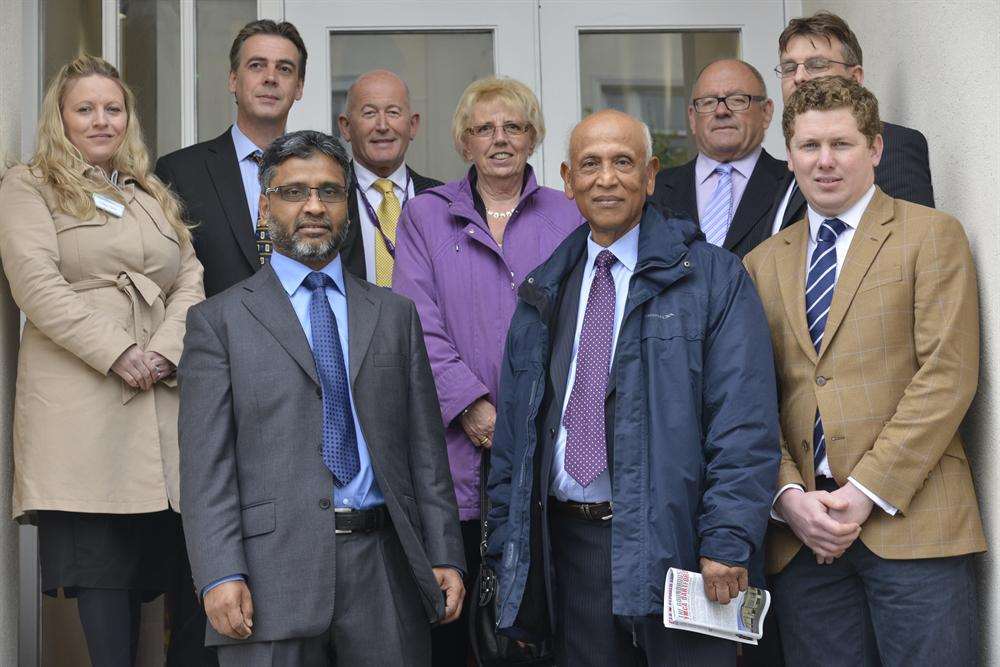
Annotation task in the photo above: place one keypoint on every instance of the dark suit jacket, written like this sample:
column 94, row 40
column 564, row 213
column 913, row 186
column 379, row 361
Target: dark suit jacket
column 207, row 178
column 353, row 251
column 676, row 195
column 903, row 173
column 255, row 492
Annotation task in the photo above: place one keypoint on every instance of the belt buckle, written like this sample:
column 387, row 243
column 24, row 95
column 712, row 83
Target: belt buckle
column 341, row 531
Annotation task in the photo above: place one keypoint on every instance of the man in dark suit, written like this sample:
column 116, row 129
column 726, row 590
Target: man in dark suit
column 730, row 186
column 319, row 511
column 217, row 179
column 824, row 45
column 378, row 124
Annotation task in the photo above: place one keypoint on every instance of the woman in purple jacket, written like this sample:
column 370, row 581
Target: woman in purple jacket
column 463, row 249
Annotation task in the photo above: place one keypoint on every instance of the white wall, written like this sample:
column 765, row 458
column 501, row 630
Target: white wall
column 933, row 66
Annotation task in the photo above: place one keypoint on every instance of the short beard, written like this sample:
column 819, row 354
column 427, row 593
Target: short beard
column 305, row 251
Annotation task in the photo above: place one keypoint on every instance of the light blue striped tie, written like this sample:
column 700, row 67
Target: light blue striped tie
column 715, row 222
column 820, row 282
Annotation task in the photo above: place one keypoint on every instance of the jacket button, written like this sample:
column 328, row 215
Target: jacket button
column 324, row 503
column 552, row 433
column 687, row 264
column 319, row 393
column 531, row 280
column 820, row 380
column 805, row 446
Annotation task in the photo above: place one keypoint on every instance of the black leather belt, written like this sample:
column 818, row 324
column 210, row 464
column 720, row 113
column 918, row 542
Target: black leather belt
column 824, row 483
column 361, row 521
column 582, row 511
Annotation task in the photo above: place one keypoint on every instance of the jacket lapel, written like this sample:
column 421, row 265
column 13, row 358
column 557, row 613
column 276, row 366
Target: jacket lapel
column 756, row 200
column 269, row 304
column 868, row 240
column 362, row 316
column 681, row 181
column 790, row 265
column 564, row 330
column 353, row 250
column 224, row 170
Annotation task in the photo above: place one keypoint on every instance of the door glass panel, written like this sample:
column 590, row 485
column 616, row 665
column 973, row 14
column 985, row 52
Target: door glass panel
column 650, row 75
column 436, row 65
column 67, row 29
column 217, row 23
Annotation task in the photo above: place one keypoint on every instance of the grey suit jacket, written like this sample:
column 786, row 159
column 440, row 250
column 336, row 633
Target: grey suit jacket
column 254, row 490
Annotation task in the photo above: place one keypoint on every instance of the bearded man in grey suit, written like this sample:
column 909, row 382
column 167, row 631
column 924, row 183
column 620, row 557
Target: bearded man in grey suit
column 318, row 505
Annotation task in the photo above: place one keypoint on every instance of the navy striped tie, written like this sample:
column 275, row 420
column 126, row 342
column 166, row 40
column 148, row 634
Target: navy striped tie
column 820, row 282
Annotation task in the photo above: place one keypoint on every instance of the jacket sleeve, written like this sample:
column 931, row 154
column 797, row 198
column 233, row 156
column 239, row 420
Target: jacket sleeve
column 210, row 499
column 30, row 253
column 498, row 485
column 413, row 276
column 186, row 291
column 946, row 343
column 432, row 481
column 740, row 423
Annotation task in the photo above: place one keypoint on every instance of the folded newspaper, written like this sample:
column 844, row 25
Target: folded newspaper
column 686, row 607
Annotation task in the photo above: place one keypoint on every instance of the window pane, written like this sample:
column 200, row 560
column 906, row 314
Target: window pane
column 150, row 43
column 650, row 75
column 217, row 22
column 437, row 66
column 68, row 28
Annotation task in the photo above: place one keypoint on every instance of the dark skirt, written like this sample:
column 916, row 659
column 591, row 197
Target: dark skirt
column 110, row 551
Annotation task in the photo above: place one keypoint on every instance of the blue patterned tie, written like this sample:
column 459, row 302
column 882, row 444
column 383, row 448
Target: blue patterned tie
column 820, row 281
column 586, row 448
column 715, row 222
column 340, row 443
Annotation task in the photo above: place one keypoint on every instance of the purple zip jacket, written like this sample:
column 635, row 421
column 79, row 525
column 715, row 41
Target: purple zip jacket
column 465, row 287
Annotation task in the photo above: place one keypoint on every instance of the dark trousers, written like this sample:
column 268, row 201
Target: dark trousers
column 110, row 620
column 588, row 634
column 187, row 620
column 378, row 618
column 864, row 610
column 450, row 643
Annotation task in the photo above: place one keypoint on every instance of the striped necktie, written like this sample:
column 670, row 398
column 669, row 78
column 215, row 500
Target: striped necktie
column 388, row 216
column 715, row 222
column 263, row 235
column 820, row 282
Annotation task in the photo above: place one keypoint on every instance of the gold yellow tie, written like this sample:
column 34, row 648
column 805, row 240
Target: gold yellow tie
column 388, row 217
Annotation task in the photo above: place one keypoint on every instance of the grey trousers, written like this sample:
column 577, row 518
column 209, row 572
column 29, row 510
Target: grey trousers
column 378, row 618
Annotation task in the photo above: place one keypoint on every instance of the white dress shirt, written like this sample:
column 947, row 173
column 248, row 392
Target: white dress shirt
column 705, row 179
column 626, row 250
column 776, row 225
column 851, row 218
column 366, row 186
column 248, row 171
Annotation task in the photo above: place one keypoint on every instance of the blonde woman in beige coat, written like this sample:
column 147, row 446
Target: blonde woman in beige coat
column 103, row 269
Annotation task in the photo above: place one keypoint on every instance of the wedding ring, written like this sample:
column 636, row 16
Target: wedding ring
column 483, row 441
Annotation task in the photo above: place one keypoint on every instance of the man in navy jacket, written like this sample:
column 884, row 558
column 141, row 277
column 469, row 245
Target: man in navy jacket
column 637, row 422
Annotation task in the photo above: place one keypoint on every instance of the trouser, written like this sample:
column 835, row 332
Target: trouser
column 378, row 618
column 110, row 620
column 865, row 610
column 588, row 633
column 450, row 643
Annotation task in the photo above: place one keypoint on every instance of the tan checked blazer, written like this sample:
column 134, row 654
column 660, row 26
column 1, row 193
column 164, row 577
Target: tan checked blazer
column 897, row 369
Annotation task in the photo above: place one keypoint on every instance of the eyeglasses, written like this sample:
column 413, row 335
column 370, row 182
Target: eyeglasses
column 296, row 192
column 487, row 130
column 737, row 102
column 813, row 65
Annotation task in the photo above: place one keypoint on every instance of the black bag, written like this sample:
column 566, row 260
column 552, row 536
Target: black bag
column 490, row 648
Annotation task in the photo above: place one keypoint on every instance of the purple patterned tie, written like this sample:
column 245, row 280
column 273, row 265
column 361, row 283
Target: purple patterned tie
column 586, row 451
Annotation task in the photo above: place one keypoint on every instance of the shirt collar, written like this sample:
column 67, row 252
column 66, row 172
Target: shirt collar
column 851, row 217
column 625, row 249
column 704, row 165
column 244, row 147
column 291, row 273
column 367, row 177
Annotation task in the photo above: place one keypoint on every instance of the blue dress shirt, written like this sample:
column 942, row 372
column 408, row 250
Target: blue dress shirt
column 248, row 171
column 362, row 492
column 626, row 250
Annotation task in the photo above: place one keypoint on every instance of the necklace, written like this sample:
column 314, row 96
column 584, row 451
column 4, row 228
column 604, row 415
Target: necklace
column 499, row 215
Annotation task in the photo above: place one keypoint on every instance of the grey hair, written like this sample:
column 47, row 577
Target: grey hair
column 302, row 144
column 754, row 72
column 647, row 143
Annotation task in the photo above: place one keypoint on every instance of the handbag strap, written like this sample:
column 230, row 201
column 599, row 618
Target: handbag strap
column 484, row 509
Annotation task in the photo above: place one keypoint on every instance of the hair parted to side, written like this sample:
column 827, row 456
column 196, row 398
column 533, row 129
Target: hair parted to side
column 510, row 92
column 828, row 93
column 268, row 27
column 62, row 165
column 302, row 144
column 825, row 25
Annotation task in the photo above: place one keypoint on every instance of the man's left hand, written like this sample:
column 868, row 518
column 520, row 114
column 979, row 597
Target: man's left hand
column 859, row 507
column 450, row 581
column 722, row 582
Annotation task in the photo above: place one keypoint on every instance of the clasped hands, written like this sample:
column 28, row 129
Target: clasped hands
column 142, row 369
column 828, row 523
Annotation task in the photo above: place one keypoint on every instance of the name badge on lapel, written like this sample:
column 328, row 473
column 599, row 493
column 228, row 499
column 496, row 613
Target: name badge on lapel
column 109, row 205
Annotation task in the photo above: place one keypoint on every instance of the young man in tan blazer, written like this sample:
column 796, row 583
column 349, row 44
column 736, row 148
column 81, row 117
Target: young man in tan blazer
column 875, row 326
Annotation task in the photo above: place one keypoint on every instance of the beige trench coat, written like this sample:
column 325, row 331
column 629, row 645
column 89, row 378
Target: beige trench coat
column 83, row 440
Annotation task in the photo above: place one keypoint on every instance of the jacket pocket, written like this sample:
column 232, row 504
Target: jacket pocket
column 258, row 519
column 670, row 324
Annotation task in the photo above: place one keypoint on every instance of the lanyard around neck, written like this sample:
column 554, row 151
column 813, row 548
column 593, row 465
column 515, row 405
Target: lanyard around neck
column 389, row 245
